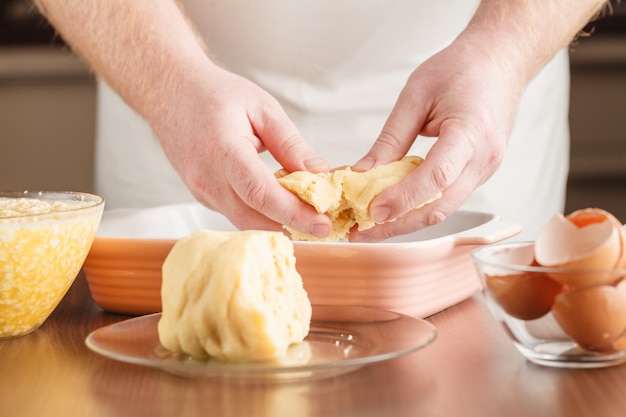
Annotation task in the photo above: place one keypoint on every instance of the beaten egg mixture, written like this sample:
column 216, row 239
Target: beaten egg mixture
column 39, row 258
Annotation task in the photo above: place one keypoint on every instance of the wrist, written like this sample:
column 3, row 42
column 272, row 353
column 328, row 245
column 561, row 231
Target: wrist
column 521, row 37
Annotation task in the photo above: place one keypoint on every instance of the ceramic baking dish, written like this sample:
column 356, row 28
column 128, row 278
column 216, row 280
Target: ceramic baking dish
column 417, row 274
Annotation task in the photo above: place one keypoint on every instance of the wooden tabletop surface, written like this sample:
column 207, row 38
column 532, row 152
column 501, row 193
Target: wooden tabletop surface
column 470, row 370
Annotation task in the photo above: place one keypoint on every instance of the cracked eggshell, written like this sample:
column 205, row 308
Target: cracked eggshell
column 588, row 216
column 586, row 240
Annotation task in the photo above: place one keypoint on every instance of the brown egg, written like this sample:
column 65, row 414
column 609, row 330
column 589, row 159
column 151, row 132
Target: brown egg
column 526, row 296
column 593, row 317
column 589, row 239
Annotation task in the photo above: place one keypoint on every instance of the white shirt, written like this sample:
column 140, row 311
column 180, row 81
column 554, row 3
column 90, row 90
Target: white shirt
column 337, row 67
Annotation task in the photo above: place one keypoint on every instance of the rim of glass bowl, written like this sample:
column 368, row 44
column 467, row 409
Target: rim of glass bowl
column 480, row 255
column 94, row 200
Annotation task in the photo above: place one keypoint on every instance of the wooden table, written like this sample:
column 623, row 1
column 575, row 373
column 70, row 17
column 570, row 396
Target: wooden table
column 470, row 370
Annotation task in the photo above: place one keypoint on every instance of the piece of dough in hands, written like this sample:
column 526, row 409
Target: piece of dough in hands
column 345, row 195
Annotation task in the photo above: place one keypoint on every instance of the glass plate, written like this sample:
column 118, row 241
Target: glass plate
column 341, row 339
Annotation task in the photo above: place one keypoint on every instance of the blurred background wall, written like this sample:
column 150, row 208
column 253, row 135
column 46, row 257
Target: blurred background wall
column 47, row 106
column 598, row 116
column 47, row 110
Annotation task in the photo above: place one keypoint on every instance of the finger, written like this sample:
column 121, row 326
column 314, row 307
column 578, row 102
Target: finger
column 430, row 214
column 441, row 168
column 398, row 134
column 240, row 215
column 256, row 185
column 283, row 140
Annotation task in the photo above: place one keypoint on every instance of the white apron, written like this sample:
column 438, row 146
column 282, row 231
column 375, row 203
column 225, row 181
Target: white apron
column 337, row 67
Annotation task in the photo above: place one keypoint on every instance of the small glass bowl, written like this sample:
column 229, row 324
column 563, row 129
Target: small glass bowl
column 550, row 321
column 44, row 240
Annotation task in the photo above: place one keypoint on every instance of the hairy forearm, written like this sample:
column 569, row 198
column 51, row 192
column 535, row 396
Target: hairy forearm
column 145, row 49
column 136, row 46
column 523, row 35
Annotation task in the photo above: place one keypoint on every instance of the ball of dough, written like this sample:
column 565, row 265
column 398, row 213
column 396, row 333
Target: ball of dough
column 233, row 295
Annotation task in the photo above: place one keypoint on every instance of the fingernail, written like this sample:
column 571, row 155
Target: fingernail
column 362, row 237
column 315, row 164
column 364, row 164
column 320, row 230
column 381, row 214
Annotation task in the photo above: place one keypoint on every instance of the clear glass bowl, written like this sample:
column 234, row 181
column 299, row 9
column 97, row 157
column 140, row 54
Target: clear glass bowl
column 555, row 317
column 44, row 240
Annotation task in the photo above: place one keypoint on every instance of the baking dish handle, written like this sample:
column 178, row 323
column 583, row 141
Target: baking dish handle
column 495, row 230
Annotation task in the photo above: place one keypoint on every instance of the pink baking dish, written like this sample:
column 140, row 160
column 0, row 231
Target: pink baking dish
column 417, row 274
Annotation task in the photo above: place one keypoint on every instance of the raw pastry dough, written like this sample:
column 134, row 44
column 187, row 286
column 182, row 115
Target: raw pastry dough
column 345, row 195
column 233, row 295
